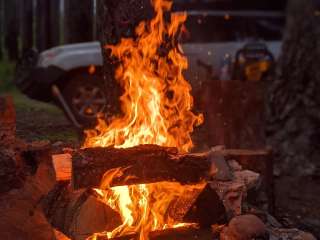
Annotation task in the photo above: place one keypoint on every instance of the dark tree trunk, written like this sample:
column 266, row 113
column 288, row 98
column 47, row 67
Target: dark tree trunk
column 54, row 22
column 294, row 119
column 117, row 19
column 26, row 19
column 42, row 25
column 98, row 25
column 78, row 21
column 1, row 28
column 11, row 29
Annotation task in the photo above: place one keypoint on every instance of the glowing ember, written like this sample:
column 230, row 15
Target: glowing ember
column 156, row 103
column 156, row 107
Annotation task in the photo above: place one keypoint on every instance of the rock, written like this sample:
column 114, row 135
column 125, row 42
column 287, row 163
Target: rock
column 233, row 192
column 245, row 227
column 306, row 236
column 289, row 234
column 234, row 165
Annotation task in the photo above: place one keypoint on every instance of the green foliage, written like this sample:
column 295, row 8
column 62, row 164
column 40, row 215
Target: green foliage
column 6, row 76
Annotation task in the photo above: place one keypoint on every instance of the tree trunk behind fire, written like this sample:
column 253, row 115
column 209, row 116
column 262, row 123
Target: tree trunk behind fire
column 78, row 21
column 42, row 25
column 11, row 29
column 26, row 21
column 55, row 22
column 1, row 28
column 294, row 101
column 117, row 19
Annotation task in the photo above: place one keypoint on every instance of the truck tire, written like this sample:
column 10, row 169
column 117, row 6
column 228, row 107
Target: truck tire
column 85, row 96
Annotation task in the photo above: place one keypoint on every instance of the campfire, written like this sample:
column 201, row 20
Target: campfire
column 156, row 107
column 139, row 163
column 135, row 176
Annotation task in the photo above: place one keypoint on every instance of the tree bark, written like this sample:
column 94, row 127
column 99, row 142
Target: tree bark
column 26, row 19
column 55, row 22
column 293, row 101
column 1, row 28
column 11, row 29
column 118, row 19
column 78, row 21
column 42, row 25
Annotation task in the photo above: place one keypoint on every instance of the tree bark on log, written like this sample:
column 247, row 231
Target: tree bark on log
column 182, row 233
column 137, row 165
column 293, row 101
column 255, row 160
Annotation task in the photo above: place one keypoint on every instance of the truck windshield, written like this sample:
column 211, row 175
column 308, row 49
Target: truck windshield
column 203, row 28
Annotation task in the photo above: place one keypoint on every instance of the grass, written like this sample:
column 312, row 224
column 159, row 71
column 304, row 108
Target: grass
column 35, row 120
column 6, row 76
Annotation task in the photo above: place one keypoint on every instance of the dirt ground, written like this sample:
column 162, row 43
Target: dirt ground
column 297, row 199
column 41, row 121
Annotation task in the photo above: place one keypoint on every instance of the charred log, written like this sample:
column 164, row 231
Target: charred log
column 137, row 165
column 78, row 214
column 182, row 233
column 208, row 209
column 147, row 164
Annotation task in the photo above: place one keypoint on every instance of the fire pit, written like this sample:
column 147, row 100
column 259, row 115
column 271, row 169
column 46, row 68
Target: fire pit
column 134, row 177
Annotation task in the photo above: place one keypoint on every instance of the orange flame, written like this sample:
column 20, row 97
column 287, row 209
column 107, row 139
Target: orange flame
column 144, row 208
column 156, row 103
column 156, row 107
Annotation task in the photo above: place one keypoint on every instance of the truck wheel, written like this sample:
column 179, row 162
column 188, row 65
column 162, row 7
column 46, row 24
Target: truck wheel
column 86, row 97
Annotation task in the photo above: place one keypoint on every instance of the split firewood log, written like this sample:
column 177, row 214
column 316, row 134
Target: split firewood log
column 148, row 164
column 78, row 214
column 181, row 233
column 137, row 165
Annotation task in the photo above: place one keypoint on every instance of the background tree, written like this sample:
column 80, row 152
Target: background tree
column 11, row 29
column 54, row 19
column 42, row 25
column 26, row 23
column 78, row 21
column 294, row 99
column 117, row 19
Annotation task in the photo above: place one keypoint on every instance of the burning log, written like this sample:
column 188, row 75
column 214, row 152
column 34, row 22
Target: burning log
column 137, row 165
column 150, row 163
column 181, row 233
column 78, row 214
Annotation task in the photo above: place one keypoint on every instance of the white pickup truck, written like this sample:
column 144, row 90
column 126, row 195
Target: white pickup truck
column 71, row 73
